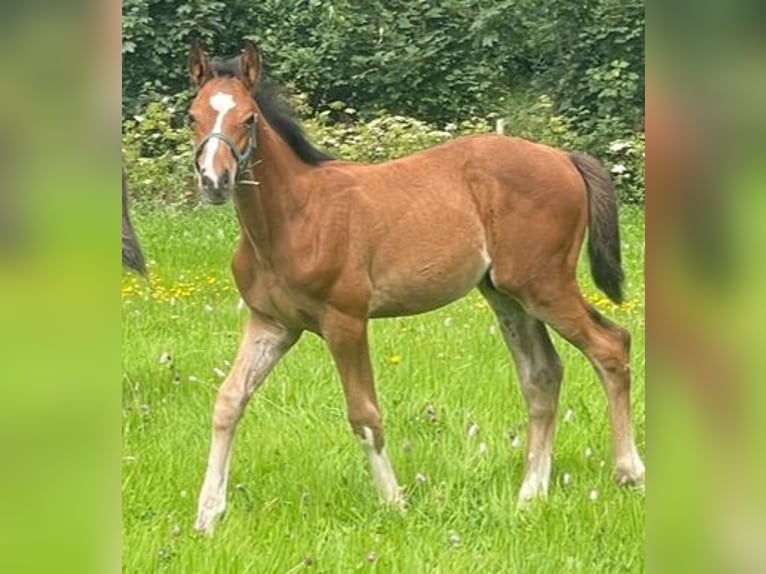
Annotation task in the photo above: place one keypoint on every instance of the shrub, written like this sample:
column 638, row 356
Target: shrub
column 537, row 121
column 625, row 159
column 383, row 138
column 158, row 157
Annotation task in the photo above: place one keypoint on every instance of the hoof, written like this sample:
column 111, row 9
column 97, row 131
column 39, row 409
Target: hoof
column 532, row 489
column 633, row 474
column 397, row 502
column 208, row 515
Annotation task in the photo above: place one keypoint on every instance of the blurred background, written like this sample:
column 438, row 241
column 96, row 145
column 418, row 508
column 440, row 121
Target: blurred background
column 706, row 63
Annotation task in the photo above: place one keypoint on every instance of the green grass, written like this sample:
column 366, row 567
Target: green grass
column 300, row 491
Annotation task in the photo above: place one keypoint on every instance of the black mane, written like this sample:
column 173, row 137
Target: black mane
column 276, row 111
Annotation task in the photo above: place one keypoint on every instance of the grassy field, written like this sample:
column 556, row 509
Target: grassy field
column 301, row 497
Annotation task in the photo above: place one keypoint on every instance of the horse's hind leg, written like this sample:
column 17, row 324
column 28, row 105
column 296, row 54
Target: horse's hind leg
column 540, row 372
column 261, row 347
column 607, row 346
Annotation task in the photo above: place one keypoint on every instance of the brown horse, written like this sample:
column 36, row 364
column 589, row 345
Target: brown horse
column 327, row 245
column 132, row 257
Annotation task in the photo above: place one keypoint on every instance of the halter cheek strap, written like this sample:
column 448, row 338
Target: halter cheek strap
column 243, row 158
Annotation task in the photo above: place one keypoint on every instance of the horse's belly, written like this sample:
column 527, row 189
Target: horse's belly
column 408, row 286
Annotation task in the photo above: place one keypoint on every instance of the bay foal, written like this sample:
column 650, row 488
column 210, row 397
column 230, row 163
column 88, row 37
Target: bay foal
column 327, row 245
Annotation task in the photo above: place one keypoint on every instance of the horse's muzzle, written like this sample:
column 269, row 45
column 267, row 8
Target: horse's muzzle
column 216, row 194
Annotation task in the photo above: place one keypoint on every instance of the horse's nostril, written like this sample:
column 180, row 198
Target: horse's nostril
column 226, row 179
column 207, row 182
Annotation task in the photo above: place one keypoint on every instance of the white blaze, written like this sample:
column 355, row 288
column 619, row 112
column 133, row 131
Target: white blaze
column 221, row 103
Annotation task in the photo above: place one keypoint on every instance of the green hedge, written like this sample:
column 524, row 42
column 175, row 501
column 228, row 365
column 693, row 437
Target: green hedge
column 436, row 60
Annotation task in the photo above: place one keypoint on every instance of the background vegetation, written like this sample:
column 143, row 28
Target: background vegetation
column 570, row 74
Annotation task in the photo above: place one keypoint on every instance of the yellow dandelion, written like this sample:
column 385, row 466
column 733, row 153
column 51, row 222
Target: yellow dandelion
column 394, row 359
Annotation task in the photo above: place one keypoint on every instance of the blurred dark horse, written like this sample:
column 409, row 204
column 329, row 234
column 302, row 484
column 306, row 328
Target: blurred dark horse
column 132, row 257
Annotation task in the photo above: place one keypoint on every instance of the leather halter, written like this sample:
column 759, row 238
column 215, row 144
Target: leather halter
column 243, row 158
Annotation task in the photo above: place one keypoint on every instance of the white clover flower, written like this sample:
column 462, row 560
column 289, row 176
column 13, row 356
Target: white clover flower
column 569, row 416
column 483, row 448
column 473, row 430
column 618, row 169
column 593, row 495
column 566, row 479
column 618, row 145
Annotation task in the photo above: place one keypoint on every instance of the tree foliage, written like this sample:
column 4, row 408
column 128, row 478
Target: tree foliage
column 437, row 60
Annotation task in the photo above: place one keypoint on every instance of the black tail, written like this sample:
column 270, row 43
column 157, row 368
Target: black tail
column 132, row 256
column 603, row 227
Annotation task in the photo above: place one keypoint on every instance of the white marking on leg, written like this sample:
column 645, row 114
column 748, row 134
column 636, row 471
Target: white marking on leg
column 537, row 480
column 382, row 471
column 221, row 103
column 258, row 354
column 630, row 468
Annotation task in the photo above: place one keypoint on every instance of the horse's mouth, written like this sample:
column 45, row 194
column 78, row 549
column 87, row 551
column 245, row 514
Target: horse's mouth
column 218, row 197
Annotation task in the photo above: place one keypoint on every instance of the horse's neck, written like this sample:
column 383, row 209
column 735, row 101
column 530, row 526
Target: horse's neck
column 270, row 202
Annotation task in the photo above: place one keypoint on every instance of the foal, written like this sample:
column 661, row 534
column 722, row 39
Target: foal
column 327, row 245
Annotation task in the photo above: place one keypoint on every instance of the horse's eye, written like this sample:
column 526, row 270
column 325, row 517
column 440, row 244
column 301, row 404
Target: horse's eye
column 250, row 121
column 190, row 119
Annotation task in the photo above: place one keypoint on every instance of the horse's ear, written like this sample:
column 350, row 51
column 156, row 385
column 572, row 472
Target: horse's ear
column 199, row 64
column 251, row 65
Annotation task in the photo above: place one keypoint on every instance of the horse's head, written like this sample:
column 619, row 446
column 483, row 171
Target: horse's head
column 224, row 116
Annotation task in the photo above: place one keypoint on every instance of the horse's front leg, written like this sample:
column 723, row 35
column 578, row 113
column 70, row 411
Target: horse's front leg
column 261, row 348
column 347, row 339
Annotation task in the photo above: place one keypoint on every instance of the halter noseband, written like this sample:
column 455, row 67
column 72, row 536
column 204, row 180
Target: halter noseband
column 243, row 158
